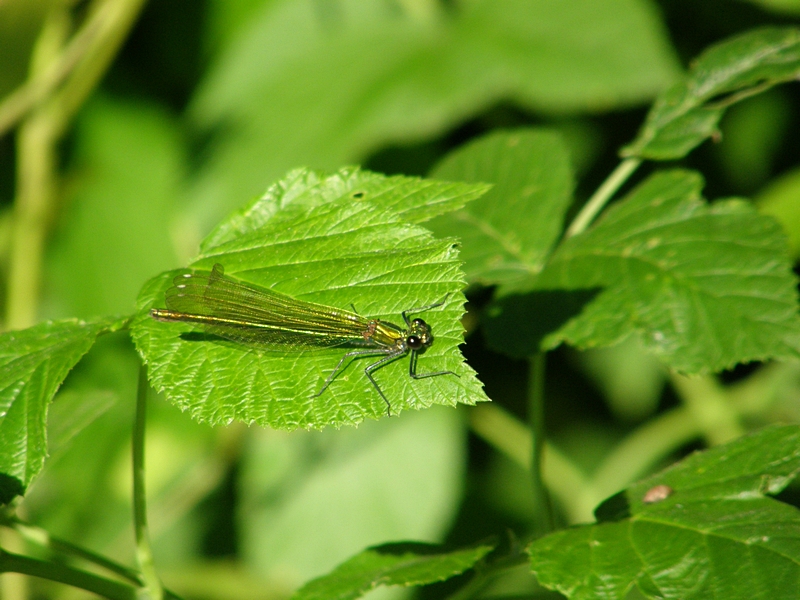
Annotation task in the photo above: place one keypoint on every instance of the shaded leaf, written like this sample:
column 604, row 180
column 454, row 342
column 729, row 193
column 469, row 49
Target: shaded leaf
column 703, row 528
column 116, row 230
column 791, row 7
column 779, row 199
column 391, row 564
column 689, row 112
column 508, row 232
column 392, row 479
column 72, row 411
column 704, row 286
column 33, row 364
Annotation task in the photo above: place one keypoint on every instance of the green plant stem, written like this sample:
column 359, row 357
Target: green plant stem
column 43, row 539
column 35, row 188
column 14, row 563
column 44, row 81
column 513, row 439
column 144, row 552
column 639, row 452
column 113, row 20
column 102, row 31
column 710, row 411
column 14, row 586
column 79, row 66
column 710, row 407
column 32, row 207
column 576, row 494
column 601, row 197
column 767, row 386
column 543, row 507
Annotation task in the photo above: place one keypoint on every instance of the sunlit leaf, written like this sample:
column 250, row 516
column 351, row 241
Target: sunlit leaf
column 338, row 240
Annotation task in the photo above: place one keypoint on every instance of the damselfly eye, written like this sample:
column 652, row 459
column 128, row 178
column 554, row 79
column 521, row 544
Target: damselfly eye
column 414, row 342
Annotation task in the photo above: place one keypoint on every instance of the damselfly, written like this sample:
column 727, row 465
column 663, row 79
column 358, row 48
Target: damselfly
column 262, row 318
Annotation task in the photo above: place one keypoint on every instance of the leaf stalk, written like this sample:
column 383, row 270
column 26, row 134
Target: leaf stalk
column 601, row 197
column 144, row 551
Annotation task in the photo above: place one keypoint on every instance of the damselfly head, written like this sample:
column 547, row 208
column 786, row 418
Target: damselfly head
column 419, row 337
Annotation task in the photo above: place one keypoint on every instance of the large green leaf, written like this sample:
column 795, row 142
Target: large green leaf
column 704, row 286
column 704, row 528
column 320, row 85
column 33, row 364
column 391, row 564
column 508, row 232
column 688, row 113
column 342, row 240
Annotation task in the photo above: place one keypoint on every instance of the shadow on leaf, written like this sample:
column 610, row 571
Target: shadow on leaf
column 10, row 487
column 517, row 324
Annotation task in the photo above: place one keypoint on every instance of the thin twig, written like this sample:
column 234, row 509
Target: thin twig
column 509, row 436
column 144, row 552
column 43, row 539
column 601, row 197
column 42, row 85
column 543, row 506
column 107, row 588
column 48, row 110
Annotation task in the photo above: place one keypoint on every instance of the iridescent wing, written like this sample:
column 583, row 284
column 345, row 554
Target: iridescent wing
column 260, row 317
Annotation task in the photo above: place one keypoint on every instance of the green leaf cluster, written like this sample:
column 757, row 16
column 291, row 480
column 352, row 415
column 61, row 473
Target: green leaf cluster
column 639, row 293
column 664, row 265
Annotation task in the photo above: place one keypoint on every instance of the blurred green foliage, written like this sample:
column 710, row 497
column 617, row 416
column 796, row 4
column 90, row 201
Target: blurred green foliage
column 207, row 104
